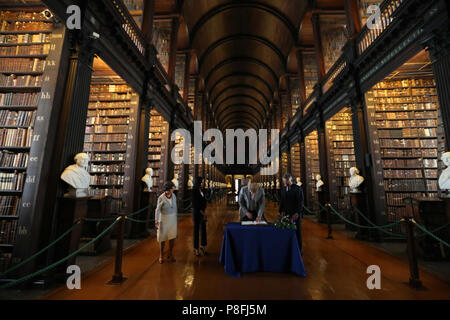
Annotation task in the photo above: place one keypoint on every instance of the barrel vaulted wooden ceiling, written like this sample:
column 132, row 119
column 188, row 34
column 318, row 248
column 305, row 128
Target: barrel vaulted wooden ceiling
column 242, row 50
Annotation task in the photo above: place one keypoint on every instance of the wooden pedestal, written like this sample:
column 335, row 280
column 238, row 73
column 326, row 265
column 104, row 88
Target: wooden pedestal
column 70, row 211
column 136, row 230
column 98, row 208
column 323, row 201
column 358, row 200
column 432, row 214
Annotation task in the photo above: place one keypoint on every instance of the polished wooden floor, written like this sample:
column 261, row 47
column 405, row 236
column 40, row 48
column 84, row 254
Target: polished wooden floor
column 336, row 270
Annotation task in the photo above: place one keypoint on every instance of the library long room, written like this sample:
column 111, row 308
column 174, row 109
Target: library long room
column 224, row 150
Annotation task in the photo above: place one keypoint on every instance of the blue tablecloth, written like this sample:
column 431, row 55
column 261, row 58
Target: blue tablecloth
column 260, row 248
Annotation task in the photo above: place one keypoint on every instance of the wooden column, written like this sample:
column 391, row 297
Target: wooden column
column 186, row 78
column 439, row 49
column 353, row 18
column 198, row 104
column 147, row 20
column 323, row 156
column 304, row 179
column 301, row 77
column 315, row 19
column 173, row 48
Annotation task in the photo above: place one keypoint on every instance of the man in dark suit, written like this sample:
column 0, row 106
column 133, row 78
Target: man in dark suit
column 291, row 204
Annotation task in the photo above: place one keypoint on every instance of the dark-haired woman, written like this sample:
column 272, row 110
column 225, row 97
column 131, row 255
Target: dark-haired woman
column 198, row 214
column 166, row 221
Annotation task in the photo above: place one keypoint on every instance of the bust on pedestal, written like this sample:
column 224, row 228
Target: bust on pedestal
column 444, row 178
column 190, row 182
column 319, row 183
column 299, row 183
column 148, row 180
column 175, row 181
column 278, row 183
column 355, row 180
column 77, row 177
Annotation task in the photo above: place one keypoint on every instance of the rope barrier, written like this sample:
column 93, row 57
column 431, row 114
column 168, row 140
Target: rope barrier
column 30, row 276
column 41, row 251
column 430, row 234
column 139, row 221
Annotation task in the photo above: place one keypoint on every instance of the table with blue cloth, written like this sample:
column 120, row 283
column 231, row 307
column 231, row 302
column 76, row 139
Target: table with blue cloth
column 260, row 249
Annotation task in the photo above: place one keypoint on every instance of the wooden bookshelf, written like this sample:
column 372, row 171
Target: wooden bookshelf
column 339, row 134
column 312, row 167
column 30, row 53
column 408, row 139
column 158, row 150
column 295, row 161
column 108, row 127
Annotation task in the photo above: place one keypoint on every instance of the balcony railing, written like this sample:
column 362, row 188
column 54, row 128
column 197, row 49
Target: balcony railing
column 334, row 72
column 129, row 25
column 368, row 35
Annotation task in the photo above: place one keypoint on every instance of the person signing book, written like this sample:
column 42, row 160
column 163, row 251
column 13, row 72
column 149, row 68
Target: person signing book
column 252, row 203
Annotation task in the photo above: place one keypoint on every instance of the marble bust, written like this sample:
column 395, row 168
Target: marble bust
column 272, row 184
column 299, row 183
column 319, row 183
column 278, row 183
column 175, row 181
column 77, row 177
column 148, row 180
column 355, row 180
column 191, row 182
column 444, row 178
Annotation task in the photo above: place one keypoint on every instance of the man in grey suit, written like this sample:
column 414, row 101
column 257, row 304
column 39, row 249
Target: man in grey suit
column 252, row 202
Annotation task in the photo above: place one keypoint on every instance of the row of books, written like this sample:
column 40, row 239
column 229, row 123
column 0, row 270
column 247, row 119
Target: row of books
column 406, row 107
column 9, row 206
column 99, row 168
column 111, row 96
column 92, row 147
column 411, row 173
column 108, row 157
column 13, row 160
column 410, row 163
column 24, row 38
column 412, row 185
column 106, row 192
column 102, row 120
column 20, row 15
column 405, row 83
column 117, row 128
column 116, row 105
column 35, row 49
column 108, row 88
column 343, row 145
column 404, row 92
column 18, row 99
column 11, row 181
column 406, row 99
column 107, row 179
column 8, row 231
column 409, row 153
column 108, row 112
column 18, row 119
column 345, row 156
column 22, row 65
column 407, row 115
column 16, row 26
column 408, row 133
column 398, row 199
column 154, row 157
column 389, row 124
column 408, row 143
column 16, row 137
column 20, row 81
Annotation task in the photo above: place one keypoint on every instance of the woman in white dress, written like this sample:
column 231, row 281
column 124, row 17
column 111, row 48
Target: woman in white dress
column 166, row 221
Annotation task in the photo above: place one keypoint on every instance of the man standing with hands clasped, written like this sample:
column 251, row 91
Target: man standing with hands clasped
column 291, row 204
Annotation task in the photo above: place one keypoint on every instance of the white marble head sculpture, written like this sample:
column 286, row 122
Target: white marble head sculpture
column 299, row 182
column 77, row 176
column 175, row 181
column 319, row 182
column 147, row 179
column 444, row 178
column 355, row 180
